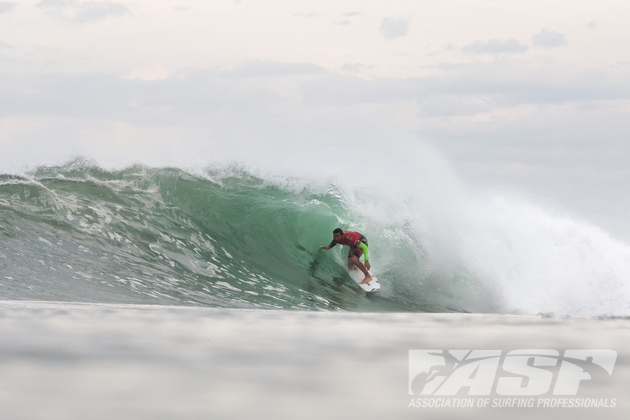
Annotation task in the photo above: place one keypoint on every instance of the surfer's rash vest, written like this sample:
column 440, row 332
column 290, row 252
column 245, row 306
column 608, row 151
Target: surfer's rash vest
column 353, row 240
column 350, row 238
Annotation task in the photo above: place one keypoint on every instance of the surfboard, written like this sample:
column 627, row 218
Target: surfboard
column 371, row 286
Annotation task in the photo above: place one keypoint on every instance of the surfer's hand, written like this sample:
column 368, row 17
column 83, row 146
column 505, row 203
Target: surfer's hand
column 324, row 247
column 367, row 265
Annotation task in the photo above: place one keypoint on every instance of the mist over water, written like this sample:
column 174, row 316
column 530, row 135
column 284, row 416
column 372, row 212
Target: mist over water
column 247, row 235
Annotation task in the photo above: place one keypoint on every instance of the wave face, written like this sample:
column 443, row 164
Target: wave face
column 228, row 238
column 141, row 235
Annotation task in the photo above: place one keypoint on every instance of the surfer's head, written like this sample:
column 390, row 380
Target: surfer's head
column 337, row 233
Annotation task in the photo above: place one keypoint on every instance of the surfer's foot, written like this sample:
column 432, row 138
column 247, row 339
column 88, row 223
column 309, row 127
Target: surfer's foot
column 367, row 279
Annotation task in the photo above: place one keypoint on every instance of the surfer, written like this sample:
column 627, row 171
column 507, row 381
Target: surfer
column 358, row 246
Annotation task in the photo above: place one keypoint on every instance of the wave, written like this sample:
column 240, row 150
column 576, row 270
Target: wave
column 227, row 237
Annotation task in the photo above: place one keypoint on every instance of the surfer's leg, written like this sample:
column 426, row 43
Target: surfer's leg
column 351, row 265
column 355, row 260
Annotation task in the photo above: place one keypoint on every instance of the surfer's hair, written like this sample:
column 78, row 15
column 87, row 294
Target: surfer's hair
column 338, row 230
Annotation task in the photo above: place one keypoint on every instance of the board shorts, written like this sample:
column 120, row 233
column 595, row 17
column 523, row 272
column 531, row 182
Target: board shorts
column 358, row 252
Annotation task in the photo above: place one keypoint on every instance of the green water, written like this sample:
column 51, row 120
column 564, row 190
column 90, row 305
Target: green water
column 223, row 238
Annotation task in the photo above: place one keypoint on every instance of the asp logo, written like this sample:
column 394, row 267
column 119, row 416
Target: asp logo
column 524, row 372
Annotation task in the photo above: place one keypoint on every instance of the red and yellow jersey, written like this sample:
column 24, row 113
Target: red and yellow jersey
column 348, row 238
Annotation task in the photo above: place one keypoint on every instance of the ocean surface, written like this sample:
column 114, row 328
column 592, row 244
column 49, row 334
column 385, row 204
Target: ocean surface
column 103, row 361
column 159, row 293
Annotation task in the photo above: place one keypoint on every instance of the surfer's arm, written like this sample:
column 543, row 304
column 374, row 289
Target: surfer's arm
column 363, row 247
column 332, row 244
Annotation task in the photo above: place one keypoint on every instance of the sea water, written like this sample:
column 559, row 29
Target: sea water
column 102, row 361
column 146, row 292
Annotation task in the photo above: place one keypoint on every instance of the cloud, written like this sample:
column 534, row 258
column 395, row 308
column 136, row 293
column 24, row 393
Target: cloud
column 458, row 91
column 394, row 28
column 352, row 67
column 592, row 24
column 6, row 6
column 341, row 22
column 150, row 72
column 351, row 14
column 272, row 69
column 495, row 46
column 83, row 11
column 469, row 89
column 5, row 45
column 547, row 39
column 306, row 15
column 148, row 93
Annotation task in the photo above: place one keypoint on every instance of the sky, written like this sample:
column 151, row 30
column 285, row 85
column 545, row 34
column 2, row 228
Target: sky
column 528, row 96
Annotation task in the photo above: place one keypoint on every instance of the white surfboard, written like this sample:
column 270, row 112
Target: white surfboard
column 371, row 286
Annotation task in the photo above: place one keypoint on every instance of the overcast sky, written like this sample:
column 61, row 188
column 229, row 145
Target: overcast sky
column 530, row 96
